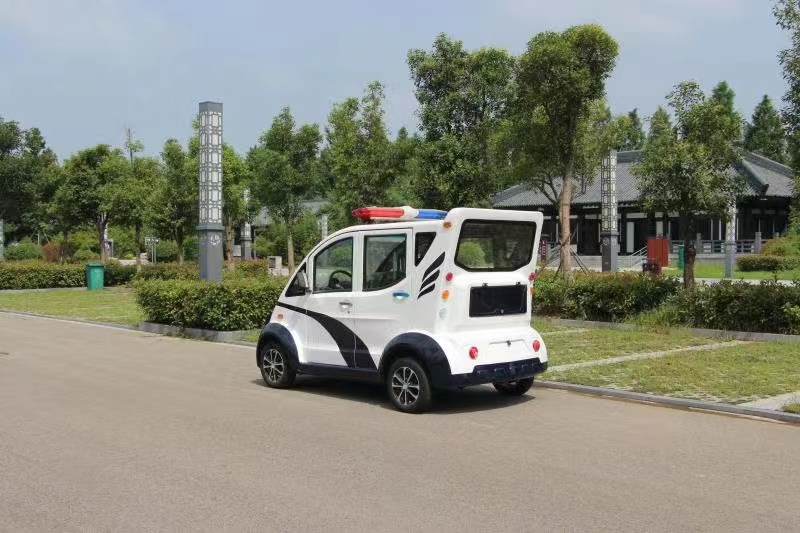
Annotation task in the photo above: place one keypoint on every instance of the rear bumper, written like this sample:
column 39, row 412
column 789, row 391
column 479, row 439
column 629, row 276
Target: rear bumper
column 490, row 373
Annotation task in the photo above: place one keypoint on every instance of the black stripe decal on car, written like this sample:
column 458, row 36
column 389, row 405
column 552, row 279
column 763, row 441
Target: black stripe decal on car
column 352, row 348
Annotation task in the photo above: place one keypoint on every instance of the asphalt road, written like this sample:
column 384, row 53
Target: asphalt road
column 105, row 429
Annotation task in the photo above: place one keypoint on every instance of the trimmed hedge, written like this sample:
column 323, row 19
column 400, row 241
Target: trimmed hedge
column 767, row 263
column 230, row 305
column 37, row 275
column 604, row 297
column 768, row 307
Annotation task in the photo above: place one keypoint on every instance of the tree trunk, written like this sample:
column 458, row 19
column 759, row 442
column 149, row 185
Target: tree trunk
column 229, row 243
column 290, row 249
column 563, row 216
column 689, row 252
column 179, row 242
column 101, row 231
column 138, row 230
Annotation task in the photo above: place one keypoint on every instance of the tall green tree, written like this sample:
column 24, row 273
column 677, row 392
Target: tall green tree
column 174, row 208
column 764, row 134
column 563, row 74
column 284, row 166
column 685, row 167
column 92, row 173
column 463, row 97
column 358, row 160
column 629, row 134
column 129, row 198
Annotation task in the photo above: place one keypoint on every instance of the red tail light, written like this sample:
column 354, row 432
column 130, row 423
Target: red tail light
column 536, row 345
column 473, row 353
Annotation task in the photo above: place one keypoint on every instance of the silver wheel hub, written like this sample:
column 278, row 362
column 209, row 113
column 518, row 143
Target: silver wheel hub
column 405, row 385
column 272, row 365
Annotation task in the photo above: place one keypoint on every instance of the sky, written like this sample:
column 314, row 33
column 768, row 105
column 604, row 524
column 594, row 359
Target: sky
column 84, row 70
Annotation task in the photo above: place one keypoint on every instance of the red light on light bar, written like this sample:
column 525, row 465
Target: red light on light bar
column 368, row 213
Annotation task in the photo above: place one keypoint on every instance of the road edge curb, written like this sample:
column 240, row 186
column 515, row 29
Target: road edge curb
column 668, row 401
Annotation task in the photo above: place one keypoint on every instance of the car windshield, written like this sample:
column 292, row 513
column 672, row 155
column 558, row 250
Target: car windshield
column 495, row 245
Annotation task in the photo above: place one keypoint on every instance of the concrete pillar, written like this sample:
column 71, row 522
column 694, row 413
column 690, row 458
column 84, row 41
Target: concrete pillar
column 609, row 231
column 210, row 227
column 730, row 242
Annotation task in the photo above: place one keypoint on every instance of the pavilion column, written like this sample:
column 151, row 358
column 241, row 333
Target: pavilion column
column 210, row 227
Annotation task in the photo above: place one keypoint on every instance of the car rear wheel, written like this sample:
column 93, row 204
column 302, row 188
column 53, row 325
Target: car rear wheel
column 514, row 388
column 276, row 366
column 409, row 386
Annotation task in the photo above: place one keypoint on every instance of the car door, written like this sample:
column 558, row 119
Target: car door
column 329, row 335
column 383, row 306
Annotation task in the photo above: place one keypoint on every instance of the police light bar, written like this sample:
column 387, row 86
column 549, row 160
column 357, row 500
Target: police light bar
column 398, row 213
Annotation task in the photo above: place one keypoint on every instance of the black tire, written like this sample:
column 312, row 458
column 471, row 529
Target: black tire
column 405, row 378
column 277, row 367
column 514, row 388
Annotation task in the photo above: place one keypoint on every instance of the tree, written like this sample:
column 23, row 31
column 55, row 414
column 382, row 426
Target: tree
column 174, row 208
column 463, row 96
column 358, row 159
column 90, row 175
column 764, row 134
column 129, row 198
column 563, row 74
column 284, row 166
column 629, row 133
column 685, row 167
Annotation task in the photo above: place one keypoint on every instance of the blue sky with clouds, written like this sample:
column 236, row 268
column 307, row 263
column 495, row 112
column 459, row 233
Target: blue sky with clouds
column 83, row 70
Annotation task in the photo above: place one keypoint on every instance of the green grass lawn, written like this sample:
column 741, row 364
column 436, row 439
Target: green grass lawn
column 713, row 270
column 735, row 374
column 116, row 306
column 564, row 348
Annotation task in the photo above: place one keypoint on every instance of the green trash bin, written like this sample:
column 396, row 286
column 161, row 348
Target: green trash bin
column 95, row 273
column 681, row 257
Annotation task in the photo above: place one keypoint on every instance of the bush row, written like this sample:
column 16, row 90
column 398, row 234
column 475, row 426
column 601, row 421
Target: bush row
column 37, row 275
column 602, row 297
column 768, row 263
column 230, row 305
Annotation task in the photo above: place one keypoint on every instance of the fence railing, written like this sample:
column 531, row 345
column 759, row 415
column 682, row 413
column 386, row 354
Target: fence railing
column 743, row 246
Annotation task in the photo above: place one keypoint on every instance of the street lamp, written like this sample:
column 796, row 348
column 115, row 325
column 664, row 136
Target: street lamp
column 609, row 233
column 210, row 227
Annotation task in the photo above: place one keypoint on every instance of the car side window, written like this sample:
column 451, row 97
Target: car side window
column 422, row 243
column 333, row 267
column 384, row 261
column 296, row 287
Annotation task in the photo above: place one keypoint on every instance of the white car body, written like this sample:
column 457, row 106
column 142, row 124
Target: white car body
column 356, row 331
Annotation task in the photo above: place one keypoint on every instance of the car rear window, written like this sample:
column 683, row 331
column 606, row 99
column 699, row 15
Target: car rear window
column 495, row 245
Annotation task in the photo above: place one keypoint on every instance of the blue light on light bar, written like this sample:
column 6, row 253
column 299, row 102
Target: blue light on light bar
column 431, row 214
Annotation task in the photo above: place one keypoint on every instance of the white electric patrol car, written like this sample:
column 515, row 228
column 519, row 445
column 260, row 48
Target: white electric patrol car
column 425, row 300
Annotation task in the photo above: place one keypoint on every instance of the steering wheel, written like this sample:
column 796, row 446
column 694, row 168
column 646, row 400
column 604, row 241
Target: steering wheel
column 335, row 283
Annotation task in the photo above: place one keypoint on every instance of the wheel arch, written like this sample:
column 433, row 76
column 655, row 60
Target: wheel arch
column 423, row 348
column 280, row 334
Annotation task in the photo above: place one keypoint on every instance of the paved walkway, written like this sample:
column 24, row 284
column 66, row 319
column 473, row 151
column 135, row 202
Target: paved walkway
column 107, row 429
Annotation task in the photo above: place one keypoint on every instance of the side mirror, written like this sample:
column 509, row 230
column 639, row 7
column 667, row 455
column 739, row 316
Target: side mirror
column 302, row 280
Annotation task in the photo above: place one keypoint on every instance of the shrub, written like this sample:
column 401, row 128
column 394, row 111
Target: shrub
column 782, row 246
column 165, row 271
column 229, row 305
column 602, row 297
column 24, row 250
column 768, row 263
column 84, row 254
column 768, row 307
column 39, row 275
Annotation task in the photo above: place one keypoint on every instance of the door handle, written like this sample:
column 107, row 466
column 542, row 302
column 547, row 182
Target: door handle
column 400, row 295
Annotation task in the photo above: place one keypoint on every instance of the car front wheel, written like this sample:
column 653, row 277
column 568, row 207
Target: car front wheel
column 514, row 388
column 409, row 386
column 276, row 366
